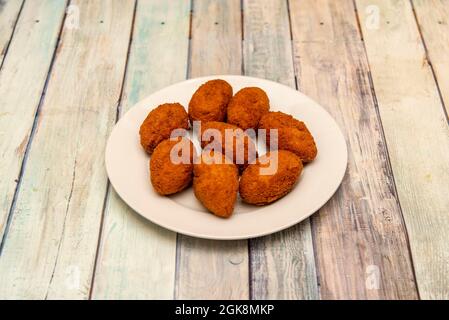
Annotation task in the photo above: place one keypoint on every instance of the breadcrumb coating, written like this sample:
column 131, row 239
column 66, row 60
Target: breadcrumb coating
column 261, row 189
column 160, row 123
column 216, row 183
column 210, row 101
column 235, row 144
column 168, row 173
column 247, row 107
column 293, row 135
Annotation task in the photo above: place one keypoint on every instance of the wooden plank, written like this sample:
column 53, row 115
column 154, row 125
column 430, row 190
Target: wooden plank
column 137, row 259
column 416, row 132
column 213, row 269
column 360, row 240
column 216, row 38
column 51, row 245
column 9, row 14
column 22, row 80
column 283, row 265
column 433, row 20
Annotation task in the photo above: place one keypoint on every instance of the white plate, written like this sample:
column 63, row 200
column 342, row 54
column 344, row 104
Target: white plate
column 127, row 167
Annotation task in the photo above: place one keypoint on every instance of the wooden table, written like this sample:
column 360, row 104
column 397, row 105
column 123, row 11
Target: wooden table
column 69, row 69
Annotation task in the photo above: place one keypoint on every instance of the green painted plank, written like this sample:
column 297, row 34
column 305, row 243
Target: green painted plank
column 417, row 136
column 22, row 80
column 137, row 259
column 9, row 14
column 361, row 248
column 283, row 264
column 52, row 241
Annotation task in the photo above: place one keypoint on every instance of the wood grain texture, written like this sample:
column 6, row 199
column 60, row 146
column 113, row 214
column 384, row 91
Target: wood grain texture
column 360, row 239
column 213, row 269
column 137, row 259
column 416, row 132
column 9, row 14
column 433, row 20
column 282, row 264
column 22, row 81
column 52, row 241
column 216, row 38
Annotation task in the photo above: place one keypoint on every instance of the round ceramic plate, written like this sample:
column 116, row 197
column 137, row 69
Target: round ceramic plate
column 127, row 166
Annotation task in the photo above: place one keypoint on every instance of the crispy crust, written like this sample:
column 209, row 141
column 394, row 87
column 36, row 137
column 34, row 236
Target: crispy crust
column 247, row 107
column 216, row 184
column 293, row 135
column 166, row 176
column 241, row 149
column 210, row 101
column 160, row 123
column 256, row 188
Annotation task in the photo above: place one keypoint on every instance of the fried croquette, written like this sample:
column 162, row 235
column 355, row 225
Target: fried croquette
column 234, row 142
column 270, row 178
column 293, row 134
column 210, row 101
column 247, row 107
column 171, row 165
column 160, row 123
column 216, row 183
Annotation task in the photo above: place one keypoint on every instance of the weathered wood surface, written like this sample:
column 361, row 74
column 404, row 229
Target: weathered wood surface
column 22, row 81
column 137, row 259
column 361, row 243
column 417, row 136
column 213, row 269
column 9, row 14
column 433, row 21
column 282, row 264
column 56, row 243
column 51, row 245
